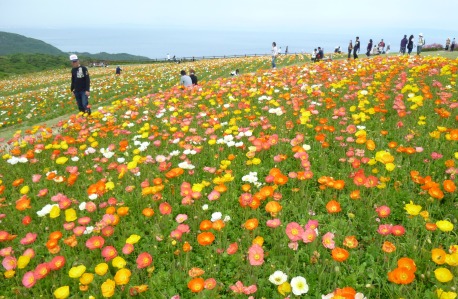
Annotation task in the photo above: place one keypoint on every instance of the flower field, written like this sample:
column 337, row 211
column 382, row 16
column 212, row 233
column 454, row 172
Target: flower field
column 329, row 180
column 34, row 98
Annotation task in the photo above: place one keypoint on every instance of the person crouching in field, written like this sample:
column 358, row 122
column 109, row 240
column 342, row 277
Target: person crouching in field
column 80, row 86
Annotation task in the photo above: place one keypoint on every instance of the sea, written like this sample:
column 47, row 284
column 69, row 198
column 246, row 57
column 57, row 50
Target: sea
column 158, row 43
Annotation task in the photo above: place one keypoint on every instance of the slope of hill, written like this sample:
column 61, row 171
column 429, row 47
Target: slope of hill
column 113, row 57
column 12, row 43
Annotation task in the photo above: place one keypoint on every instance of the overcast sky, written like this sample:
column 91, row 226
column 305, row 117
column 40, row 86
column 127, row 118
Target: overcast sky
column 292, row 15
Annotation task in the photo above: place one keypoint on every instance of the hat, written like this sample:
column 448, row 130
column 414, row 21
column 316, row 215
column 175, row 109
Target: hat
column 73, row 57
column 421, row 34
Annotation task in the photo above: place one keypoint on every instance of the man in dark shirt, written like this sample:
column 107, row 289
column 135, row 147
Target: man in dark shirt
column 356, row 48
column 403, row 45
column 80, row 84
column 193, row 76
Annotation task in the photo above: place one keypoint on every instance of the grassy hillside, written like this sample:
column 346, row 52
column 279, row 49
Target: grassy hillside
column 11, row 43
column 17, row 64
column 113, row 57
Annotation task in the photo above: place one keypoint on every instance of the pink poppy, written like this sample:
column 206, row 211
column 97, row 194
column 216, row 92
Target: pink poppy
column 84, row 220
column 383, row 211
column 29, row 252
column 385, row 229
column 312, row 224
column 79, row 230
column 273, row 223
column 95, row 242
column 294, row 231
column 176, row 234
column 180, row 218
column 28, row 239
column 210, row 283
column 214, row 195
column 36, row 178
column 29, row 280
column 328, row 240
column 309, row 235
column 109, row 253
column 144, row 259
column 256, row 255
column 9, row 263
column 165, row 208
column 127, row 248
column 69, row 225
column 184, row 228
column 91, row 207
column 42, row 270
column 233, row 247
column 42, row 192
column 6, row 251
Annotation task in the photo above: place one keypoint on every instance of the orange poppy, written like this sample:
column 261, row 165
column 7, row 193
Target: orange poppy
column 246, row 187
column 273, row 207
column 205, row 238
column 388, row 247
column 449, row 186
column 355, row 194
column 333, row 206
column 340, row 254
column 148, row 212
column 401, row 276
column 218, row 225
column 347, row 293
column 435, row 192
column 195, row 272
column 187, row 247
column 18, row 182
column 431, row 226
column 196, row 284
column 251, row 224
column 408, row 263
column 122, row 211
column 205, row 225
column 280, row 179
column 56, row 235
column 266, row 191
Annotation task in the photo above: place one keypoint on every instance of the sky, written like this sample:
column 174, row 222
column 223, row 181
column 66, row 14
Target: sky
column 301, row 16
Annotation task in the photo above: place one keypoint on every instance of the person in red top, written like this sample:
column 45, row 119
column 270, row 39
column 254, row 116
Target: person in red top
column 81, row 84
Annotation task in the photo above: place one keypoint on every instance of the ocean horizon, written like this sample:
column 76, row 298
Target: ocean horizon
column 156, row 44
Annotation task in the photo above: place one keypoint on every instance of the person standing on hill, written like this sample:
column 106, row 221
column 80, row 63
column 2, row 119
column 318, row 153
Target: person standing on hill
column 350, row 48
column 274, row 54
column 356, row 48
column 81, row 84
column 403, row 45
column 452, row 47
column 410, row 44
column 369, row 48
column 118, row 70
column 420, row 43
column 447, row 43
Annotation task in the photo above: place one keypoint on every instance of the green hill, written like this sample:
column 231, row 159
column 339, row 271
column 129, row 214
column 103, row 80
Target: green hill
column 12, row 43
column 113, row 57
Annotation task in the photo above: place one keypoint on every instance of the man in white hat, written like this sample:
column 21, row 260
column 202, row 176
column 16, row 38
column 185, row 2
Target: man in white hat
column 81, row 84
column 420, row 43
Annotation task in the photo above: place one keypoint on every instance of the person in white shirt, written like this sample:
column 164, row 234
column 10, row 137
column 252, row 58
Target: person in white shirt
column 420, row 43
column 185, row 80
column 274, row 54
